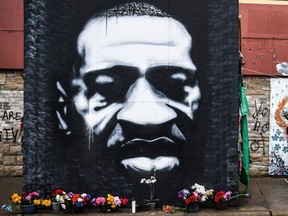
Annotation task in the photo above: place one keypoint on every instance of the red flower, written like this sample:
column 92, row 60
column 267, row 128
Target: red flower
column 75, row 198
column 192, row 198
column 219, row 196
column 85, row 200
column 124, row 201
column 23, row 195
column 57, row 191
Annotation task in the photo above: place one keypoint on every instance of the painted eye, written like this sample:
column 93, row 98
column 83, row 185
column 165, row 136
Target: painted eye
column 179, row 76
column 171, row 81
column 112, row 83
column 103, row 79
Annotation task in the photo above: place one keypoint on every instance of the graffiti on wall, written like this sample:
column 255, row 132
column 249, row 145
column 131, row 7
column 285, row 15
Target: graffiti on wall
column 278, row 149
column 126, row 104
column 11, row 113
column 260, row 127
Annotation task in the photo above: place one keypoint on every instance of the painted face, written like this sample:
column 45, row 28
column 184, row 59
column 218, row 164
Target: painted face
column 281, row 116
column 139, row 71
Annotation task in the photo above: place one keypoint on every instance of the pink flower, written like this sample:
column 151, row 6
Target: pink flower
column 227, row 195
column 28, row 198
column 117, row 201
column 98, row 201
column 33, row 194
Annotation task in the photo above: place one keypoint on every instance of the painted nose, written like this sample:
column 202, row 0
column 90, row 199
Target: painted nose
column 144, row 106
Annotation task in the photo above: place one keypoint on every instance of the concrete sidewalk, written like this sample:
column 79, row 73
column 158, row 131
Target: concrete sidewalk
column 269, row 196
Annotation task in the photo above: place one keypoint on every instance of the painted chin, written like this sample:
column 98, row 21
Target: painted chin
column 140, row 164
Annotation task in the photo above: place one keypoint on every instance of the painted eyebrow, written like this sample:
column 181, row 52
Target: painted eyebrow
column 176, row 69
column 114, row 69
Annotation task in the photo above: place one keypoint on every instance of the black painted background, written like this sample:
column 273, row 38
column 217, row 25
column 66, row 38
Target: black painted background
column 51, row 29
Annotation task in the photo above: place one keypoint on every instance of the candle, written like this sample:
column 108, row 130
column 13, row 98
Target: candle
column 133, row 206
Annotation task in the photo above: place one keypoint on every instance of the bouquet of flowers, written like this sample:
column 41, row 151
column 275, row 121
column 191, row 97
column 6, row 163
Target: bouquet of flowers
column 169, row 209
column 24, row 199
column 58, row 196
column 109, row 201
column 79, row 200
column 198, row 194
column 222, row 196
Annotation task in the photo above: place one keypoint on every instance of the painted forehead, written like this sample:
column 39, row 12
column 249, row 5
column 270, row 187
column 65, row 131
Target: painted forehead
column 126, row 35
column 94, row 27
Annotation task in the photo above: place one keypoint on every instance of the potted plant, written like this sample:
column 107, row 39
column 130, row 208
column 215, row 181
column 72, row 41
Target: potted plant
column 197, row 194
column 109, row 203
column 151, row 202
column 221, row 199
column 25, row 202
column 58, row 198
column 79, row 201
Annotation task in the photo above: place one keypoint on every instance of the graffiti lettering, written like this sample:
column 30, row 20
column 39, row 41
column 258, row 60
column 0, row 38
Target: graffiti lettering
column 256, row 144
column 261, row 111
column 5, row 105
column 11, row 115
column 260, row 127
column 44, row 189
column 10, row 134
column 257, row 126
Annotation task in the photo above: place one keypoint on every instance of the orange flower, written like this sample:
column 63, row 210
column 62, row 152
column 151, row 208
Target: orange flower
column 110, row 199
column 16, row 198
column 46, row 202
column 75, row 198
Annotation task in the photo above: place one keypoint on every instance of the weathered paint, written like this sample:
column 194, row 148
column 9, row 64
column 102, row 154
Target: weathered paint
column 264, row 31
column 11, row 34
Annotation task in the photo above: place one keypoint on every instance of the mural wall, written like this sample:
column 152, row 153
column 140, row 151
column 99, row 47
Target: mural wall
column 117, row 91
column 279, row 127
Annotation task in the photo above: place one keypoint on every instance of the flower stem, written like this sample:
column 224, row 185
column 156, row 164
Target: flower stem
column 151, row 192
column 239, row 195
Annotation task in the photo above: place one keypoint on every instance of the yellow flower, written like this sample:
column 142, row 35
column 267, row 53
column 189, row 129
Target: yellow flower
column 46, row 202
column 37, row 202
column 110, row 199
column 16, row 198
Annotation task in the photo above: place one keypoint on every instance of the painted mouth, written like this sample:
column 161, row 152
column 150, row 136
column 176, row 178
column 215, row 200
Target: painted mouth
column 147, row 155
column 137, row 147
column 151, row 147
column 147, row 164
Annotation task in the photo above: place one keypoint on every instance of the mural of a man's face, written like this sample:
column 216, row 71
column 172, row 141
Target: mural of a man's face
column 138, row 70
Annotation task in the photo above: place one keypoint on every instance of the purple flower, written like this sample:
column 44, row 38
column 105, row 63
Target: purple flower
column 183, row 194
column 70, row 195
column 227, row 195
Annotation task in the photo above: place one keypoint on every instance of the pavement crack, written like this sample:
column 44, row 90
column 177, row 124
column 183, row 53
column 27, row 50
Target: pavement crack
column 265, row 201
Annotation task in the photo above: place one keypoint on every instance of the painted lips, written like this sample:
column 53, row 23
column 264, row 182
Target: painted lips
column 147, row 155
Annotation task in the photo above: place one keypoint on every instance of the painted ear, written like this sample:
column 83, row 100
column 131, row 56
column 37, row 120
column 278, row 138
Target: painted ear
column 61, row 109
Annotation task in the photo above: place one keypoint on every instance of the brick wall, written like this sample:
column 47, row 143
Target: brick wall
column 11, row 112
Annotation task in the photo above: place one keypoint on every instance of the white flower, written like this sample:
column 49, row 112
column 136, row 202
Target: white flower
column 152, row 180
column 63, row 206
